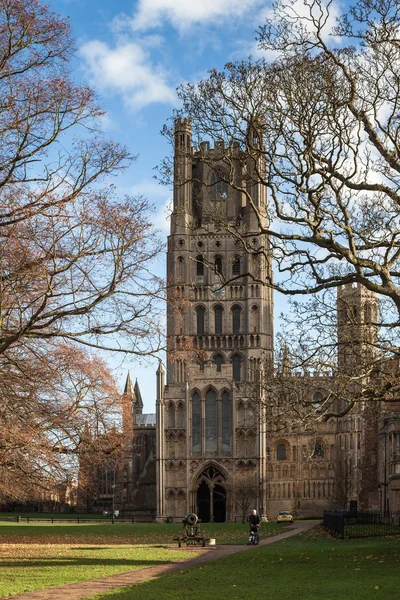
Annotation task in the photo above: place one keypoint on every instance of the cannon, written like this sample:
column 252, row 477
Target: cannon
column 191, row 534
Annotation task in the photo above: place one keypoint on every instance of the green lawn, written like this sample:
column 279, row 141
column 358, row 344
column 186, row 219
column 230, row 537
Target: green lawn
column 24, row 568
column 123, row 533
column 37, row 556
column 303, row 568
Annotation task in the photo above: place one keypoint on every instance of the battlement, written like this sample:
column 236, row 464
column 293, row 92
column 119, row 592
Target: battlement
column 353, row 290
column 183, row 125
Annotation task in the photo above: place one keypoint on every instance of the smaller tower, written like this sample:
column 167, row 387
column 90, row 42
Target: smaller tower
column 182, row 206
column 357, row 310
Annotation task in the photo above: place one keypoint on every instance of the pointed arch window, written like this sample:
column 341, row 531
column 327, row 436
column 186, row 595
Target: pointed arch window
column 218, row 264
column 218, row 312
column 236, row 318
column 318, row 399
column 180, row 268
column 254, row 319
column 236, row 367
column 196, row 423
column 219, row 188
column 211, row 421
column 318, row 450
column 281, row 452
column 236, row 266
column 200, row 319
column 226, row 422
column 199, row 265
column 218, row 361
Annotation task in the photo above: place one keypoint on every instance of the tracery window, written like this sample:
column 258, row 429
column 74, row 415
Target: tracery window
column 200, row 318
column 281, row 452
column 219, row 188
column 318, row 449
column 236, row 317
column 211, row 421
column 199, row 265
column 218, row 312
column 218, row 361
column 236, row 266
column 196, row 423
column 226, row 421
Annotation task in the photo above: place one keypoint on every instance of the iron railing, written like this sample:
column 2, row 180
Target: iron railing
column 345, row 524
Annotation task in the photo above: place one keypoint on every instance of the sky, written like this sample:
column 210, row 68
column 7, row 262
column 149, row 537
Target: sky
column 135, row 54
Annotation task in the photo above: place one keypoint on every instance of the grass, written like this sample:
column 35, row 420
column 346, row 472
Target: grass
column 305, row 567
column 12, row 516
column 37, row 556
column 28, row 567
column 120, row 533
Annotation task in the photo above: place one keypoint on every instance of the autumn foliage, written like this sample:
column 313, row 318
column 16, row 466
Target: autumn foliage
column 74, row 257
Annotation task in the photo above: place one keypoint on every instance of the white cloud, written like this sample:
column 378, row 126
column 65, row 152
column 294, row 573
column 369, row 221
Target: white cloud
column 325, row 12
column 182, row 13
column 127, row 69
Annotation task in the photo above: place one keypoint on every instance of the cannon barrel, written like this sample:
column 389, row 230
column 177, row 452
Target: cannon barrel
column 190, row 519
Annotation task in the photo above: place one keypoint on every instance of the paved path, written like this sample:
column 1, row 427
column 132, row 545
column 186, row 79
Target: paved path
column 82, row 589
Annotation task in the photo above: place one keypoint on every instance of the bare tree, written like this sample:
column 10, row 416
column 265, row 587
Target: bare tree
column 309, row 136
column 75, row 259
column 76, row 264
column 245, row 494
column 345, row 482
column 318, row 129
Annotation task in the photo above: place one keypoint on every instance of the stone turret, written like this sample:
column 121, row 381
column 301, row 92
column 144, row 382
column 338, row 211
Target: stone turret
column 128, row 404
column 139, row 401
column 357, row 310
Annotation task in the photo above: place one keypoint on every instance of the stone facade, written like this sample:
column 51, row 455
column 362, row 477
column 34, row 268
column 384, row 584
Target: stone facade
column 212, row 433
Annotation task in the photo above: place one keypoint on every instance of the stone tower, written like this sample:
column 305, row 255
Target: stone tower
column 357, row 335
column 220, row 337
column 358, row 358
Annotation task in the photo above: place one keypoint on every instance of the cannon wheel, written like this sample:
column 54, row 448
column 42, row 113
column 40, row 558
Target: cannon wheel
column 179, row 538
column 204, row 540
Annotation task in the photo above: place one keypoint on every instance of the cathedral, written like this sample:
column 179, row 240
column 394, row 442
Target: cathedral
column 218, row 444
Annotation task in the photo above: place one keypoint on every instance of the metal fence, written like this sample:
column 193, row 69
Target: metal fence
column 361, row 524
column 80, row 520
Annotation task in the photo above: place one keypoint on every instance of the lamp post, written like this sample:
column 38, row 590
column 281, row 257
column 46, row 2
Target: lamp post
column 113, row 497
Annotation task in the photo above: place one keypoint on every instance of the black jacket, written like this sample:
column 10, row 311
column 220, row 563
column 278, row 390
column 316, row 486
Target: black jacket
column 254, row 519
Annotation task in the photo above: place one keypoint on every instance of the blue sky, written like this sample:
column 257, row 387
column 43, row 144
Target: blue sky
column 135, row 54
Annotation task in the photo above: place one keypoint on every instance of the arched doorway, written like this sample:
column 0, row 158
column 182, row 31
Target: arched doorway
column 211, row 495
column 219, row 499
column 203, row 502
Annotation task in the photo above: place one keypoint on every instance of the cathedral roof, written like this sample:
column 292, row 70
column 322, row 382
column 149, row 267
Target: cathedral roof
column 146, row 419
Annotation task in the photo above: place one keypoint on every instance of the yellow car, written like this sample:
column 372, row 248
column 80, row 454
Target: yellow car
column 284, row 517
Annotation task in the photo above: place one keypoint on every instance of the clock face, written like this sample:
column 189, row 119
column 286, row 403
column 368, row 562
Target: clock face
column 218, row 291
